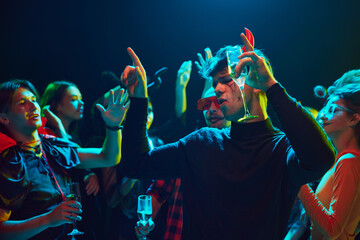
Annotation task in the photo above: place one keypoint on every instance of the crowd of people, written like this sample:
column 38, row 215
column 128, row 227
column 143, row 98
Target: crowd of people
column 230, row 179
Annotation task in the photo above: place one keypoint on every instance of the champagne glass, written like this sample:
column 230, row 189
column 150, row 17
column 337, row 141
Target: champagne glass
column 232, row 60
column 73, row 193
column 144, row 209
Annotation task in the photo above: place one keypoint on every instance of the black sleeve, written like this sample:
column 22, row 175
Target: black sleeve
column 134, row 143
column 137, row 161
column 314, row 152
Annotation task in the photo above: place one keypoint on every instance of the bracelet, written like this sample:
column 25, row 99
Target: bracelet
column 114, row 128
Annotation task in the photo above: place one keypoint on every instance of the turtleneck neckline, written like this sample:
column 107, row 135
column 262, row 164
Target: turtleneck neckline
column 248, row 130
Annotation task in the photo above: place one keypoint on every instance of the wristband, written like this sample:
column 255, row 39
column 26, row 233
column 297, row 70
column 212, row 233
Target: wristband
column 114, row 128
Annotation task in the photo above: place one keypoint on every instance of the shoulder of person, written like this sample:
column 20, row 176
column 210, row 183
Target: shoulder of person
column 61, row 142
column 348, row 162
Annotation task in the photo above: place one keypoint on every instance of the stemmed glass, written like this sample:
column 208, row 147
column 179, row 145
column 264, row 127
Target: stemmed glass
column 232, row 60
column 73, row 193
column 144, row 209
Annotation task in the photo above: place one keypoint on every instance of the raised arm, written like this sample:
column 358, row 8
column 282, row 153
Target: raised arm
column 200, row 65
column 138, row 161
column 313, row 150
column 110, row 154
column 134, row 78
column 55, row 122
column 182, row 80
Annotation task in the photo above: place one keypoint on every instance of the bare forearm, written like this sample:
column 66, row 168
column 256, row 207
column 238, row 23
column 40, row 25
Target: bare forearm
column 180, row 101
column 111, row 149
column 107, row 156
column 24, row 229
column 207, row 86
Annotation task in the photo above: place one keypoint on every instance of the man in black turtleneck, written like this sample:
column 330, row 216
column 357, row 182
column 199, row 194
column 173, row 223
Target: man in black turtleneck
column 238, row 183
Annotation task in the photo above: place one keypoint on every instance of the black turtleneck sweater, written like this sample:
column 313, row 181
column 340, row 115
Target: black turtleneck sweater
column 237, row 183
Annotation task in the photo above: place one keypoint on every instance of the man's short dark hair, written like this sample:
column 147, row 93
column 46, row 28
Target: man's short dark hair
column 7, row 90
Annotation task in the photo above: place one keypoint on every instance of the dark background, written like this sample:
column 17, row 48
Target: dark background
column 308, row 42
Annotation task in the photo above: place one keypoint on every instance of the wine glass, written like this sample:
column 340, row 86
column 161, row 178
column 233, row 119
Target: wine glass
column 73, row 193
column 232, row 60
column 144, row 209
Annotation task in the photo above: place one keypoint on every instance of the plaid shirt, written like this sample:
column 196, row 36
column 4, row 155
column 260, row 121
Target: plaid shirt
column 170, row 191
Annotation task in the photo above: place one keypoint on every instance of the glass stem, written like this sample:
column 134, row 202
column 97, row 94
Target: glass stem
column 242, row 92
column 75, row 225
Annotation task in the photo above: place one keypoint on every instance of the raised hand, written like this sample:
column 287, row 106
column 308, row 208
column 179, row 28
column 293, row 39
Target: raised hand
column 65, row 212
column 260, row 76
column 183, row 74
column 115, row 112
column 134, row 77
column 55, row 122
column 200, row 65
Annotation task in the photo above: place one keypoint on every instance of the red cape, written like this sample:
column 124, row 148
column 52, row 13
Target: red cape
column 7, row 142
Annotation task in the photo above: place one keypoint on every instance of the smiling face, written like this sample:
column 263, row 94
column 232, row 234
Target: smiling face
column 335, row 117
column 24, row 114
column 71, row 106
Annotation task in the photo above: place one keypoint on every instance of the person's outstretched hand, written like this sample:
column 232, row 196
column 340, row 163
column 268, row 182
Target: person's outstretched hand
column 115, row 112
column 183, row 74
column 200, row 65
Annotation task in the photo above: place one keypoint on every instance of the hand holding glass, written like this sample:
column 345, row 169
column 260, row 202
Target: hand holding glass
column 144, row 209
column 73, row 193
column 232, row 60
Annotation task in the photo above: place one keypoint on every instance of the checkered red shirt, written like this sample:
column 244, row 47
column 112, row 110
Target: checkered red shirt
column 170, row 191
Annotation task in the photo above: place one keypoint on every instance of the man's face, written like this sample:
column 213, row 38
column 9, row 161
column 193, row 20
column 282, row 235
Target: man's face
column 212, row 113
column 228, row 94
column 71, row 105
column 24, row 114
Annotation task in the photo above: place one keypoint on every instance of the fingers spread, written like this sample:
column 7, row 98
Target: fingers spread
column 198, row 65
column 201, row 59
column 111, row 98
column 208, row 53
column 127, row 105
column 101, row 108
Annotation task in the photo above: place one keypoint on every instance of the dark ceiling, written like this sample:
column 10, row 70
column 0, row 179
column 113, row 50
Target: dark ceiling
column 308, row 42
